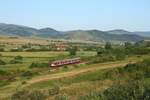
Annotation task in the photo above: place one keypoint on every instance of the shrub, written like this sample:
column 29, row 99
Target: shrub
column 27, row 74
column 146, row 94
column 3, row 72
column 102, row 58
column 14, row 61
column 73, row 51
column 112, row 74
column 38, row 65
column 24, row 82
column 120, row 56
column 3, row 83
column 62, row 97
column 130, row 91
column 108, row 46
column 2, row 49
column 37, row 95
column 29, row 95
column 16, row 50
column 55, row 90
column 65, row 67
column 93, row 96
column 20, row 95
column 2, row 62
column 101, row 51
column 18, row 58
column 146, row 61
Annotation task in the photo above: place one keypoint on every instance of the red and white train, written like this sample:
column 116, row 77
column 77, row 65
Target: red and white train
column 65, row 62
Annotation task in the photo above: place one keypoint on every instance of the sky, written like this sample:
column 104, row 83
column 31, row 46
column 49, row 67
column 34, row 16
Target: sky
column 131, row 15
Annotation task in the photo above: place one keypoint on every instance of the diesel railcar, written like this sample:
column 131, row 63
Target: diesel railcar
column 65, row 62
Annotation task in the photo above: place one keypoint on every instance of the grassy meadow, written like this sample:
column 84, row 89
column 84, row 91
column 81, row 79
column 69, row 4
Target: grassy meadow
column 27, row 74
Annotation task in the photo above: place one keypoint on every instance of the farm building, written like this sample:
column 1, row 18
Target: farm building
column 61, row 47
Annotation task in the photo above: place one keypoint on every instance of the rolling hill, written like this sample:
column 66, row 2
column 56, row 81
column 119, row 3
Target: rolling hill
column 146, row 33
column 10, row 29
column 84, row 35
column 120, row 31
column 49, row 32
column 101, row 36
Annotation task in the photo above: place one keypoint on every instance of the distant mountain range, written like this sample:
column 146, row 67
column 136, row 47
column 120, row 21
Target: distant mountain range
column 84, row 35
column 145, row 34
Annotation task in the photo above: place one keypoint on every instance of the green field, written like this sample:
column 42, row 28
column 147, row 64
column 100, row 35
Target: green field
column 101, row 68
column 45, row 54
column 29, row 57
column 70, row 85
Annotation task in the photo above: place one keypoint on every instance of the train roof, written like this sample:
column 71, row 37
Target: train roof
column 66, row 60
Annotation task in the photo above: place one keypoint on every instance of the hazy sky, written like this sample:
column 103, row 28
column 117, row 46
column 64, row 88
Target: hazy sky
column 131, row 15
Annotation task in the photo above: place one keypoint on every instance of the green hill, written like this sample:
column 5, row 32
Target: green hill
column 101, row 36
column 84, row 35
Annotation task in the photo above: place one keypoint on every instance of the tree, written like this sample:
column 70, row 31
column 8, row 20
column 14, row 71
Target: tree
column 73, row 51
column 100, row 51
column 108, row 46
column 128, row 45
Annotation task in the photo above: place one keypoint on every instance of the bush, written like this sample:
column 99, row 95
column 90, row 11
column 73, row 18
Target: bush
column 93, row 96
column 102, row 58
column 20, row 95
column 108, row 46
column 130, row 91
column 3, row 83
column 2, row 49
column 18, row 58
column 27, row 74
column 24, row 82
column 73, row 51
column 29, row 95
column 146, row 61
column 39, row 65
column 65, row 67
column 120, row 56
column 55, row 90
column 101, row 51
column 131, row 67
column 62, row 97
column 3, row 72
column 16, row 50
column 146, row 94
column 14, row 61
column 112, row 74
column 141, row 51
column 37, row 95
column 2, row 62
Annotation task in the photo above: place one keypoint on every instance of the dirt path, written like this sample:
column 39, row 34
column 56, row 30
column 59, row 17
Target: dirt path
column 75, row 72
